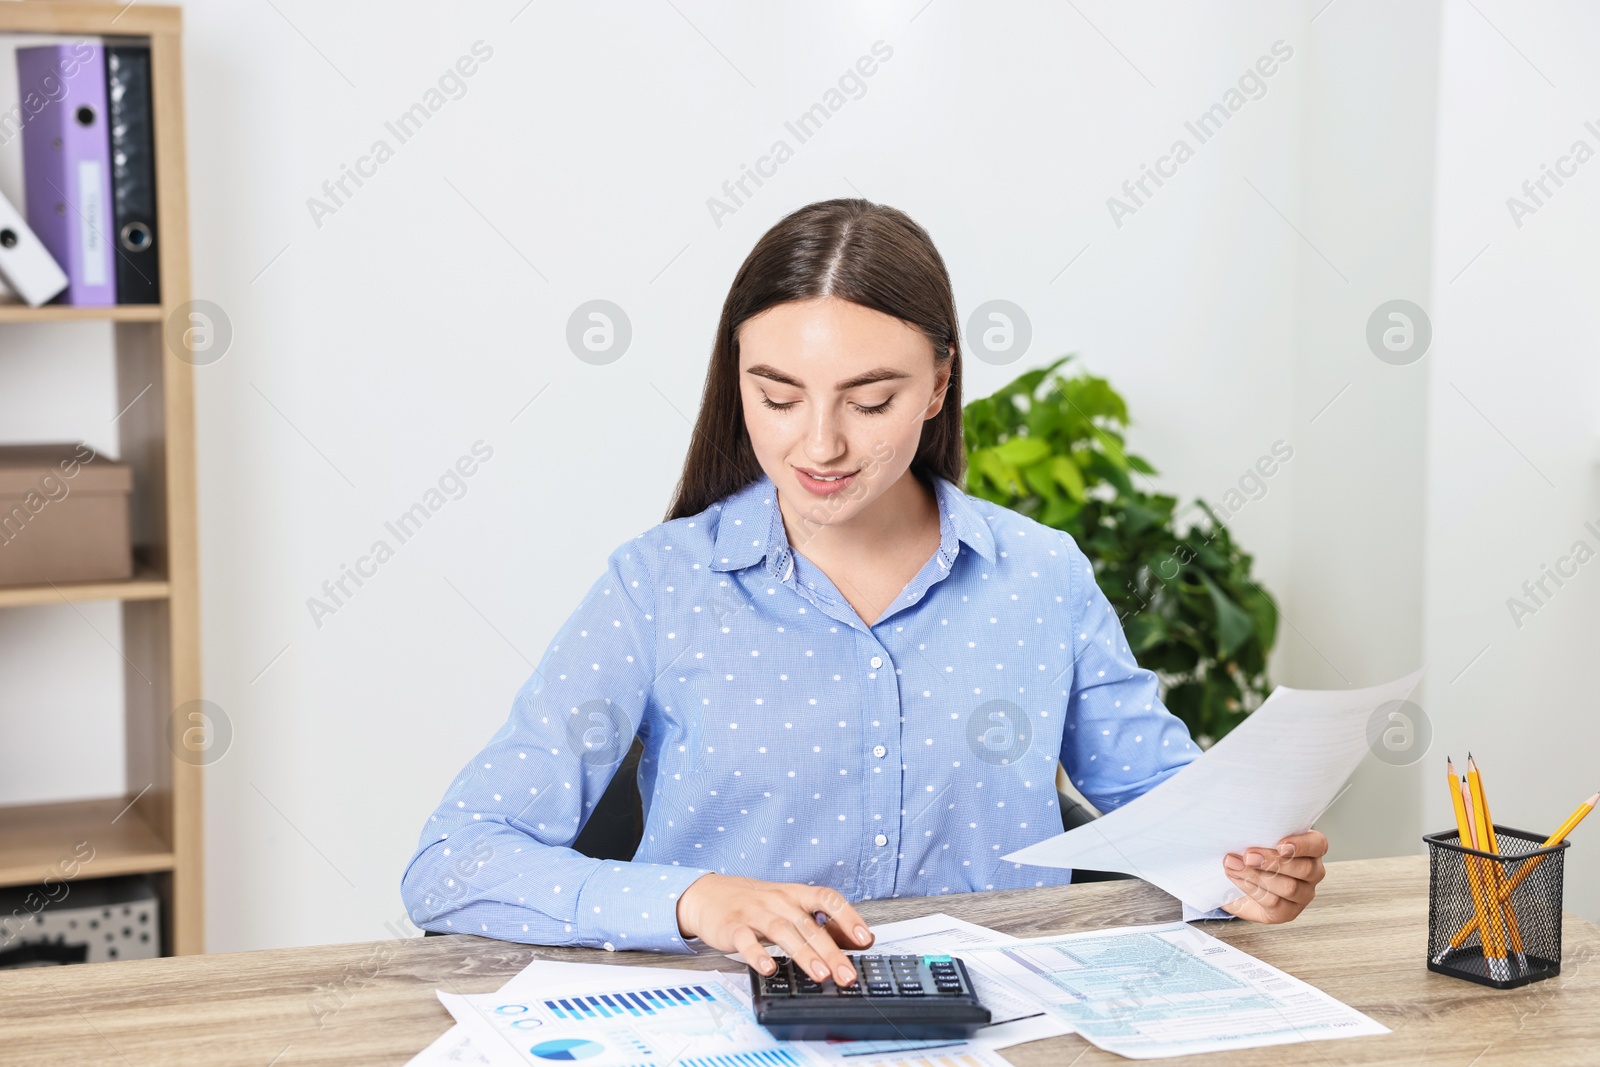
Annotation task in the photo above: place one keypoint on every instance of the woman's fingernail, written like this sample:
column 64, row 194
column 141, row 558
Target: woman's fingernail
column 1252, row 859
column 1232, row 862
column 1286, row 849
column 861, row 934
column 819, row 971
column 767, row 966
column 847, row 976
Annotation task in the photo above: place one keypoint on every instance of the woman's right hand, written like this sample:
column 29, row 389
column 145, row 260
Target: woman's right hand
column 737, row 914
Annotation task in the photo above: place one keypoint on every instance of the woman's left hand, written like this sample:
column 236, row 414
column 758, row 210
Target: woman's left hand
column 1278, row 883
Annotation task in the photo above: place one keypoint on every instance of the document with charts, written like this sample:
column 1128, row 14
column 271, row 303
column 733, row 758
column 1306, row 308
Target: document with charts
column 1168, row 990
column 1017, row 1020
column 682, row 1019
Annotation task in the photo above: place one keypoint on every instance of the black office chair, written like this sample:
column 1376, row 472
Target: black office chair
column 1074, row 815
column 615, row 829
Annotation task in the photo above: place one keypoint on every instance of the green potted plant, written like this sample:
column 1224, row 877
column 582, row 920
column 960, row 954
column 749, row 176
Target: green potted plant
column 1051, row 447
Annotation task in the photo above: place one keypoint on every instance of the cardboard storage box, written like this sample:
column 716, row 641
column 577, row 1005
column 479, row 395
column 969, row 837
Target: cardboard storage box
column 63, row 515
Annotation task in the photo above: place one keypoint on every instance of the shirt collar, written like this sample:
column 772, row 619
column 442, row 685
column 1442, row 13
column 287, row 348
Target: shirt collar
column 750, row 527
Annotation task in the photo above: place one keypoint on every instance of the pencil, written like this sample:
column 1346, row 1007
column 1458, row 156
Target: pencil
column 1528, row 868
column 1497, row 871
column 1485, row 871
column 1486, row 877
column 1487, row 935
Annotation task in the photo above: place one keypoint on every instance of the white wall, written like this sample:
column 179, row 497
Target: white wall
column 1352, row 606
column 373, row 350
column 1513, row 419
column 408, row 326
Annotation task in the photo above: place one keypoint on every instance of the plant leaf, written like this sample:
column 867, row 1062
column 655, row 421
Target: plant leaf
column 1067, row 476
column 1023, row 451
column 1234, row 624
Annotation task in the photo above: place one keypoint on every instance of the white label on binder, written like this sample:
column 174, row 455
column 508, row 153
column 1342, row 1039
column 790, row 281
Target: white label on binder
column 91, row 232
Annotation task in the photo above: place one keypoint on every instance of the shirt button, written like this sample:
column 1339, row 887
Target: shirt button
column 881, row 839
column 879, row 751
column 876, row 661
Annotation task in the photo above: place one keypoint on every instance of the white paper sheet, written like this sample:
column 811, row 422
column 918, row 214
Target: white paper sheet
column 689, row 1018
column 1148, row 992
column 1274, row 774
column 449, row 1049
column 455, row 1046
column 478, row 1019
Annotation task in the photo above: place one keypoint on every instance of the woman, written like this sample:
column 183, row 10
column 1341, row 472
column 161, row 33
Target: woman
column 851, row 679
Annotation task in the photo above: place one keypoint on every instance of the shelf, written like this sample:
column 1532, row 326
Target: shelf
column 89, row 18
column 35, row 838
column 144, row 585
column 160, row 605
column 63, row 313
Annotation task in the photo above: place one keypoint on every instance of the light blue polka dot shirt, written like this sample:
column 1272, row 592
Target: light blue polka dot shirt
column 784, row 739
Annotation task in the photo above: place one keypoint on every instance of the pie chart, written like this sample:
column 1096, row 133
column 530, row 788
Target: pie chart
column 567, row 1048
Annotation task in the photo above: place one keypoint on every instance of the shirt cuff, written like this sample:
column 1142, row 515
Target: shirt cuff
column 1191, row 914
column 632, row 905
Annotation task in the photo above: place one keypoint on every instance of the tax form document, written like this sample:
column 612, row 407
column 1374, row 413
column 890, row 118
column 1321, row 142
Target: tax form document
column 1148, row 992
column 1274, row 774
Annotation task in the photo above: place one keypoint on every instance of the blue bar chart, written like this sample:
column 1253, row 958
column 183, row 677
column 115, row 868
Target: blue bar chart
column 637, row 1004
column 771, row 1057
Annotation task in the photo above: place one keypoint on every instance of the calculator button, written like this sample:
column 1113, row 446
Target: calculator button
column 880, row 989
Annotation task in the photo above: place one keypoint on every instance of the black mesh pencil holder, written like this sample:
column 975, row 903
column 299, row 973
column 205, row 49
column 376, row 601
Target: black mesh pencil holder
column 1525, row 942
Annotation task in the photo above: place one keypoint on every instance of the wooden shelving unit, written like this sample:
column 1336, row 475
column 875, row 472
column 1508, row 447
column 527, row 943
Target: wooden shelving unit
column 156, row 827
column 31, row 837
column 52, row 313
column 144, row 585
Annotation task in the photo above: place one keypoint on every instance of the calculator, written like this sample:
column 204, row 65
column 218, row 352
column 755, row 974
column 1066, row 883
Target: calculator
column 893, row 996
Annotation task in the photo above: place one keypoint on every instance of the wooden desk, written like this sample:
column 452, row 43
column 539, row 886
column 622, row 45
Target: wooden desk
column 1362, row 941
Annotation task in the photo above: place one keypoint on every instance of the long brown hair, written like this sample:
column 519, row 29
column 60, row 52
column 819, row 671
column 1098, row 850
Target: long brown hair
column 866, row 253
